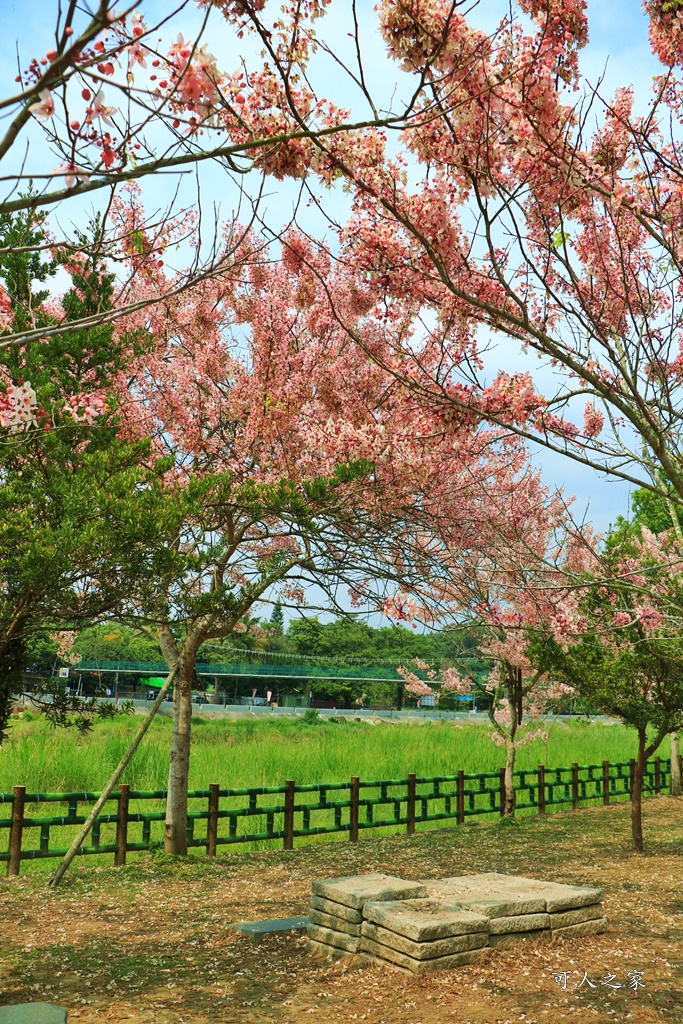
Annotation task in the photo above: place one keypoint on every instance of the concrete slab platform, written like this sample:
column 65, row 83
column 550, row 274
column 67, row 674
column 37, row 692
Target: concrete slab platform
column 32, row 1013
column 567, row 917
column 425, row 950
column 485, row 895
column 337, row 924
column 278, row 924
column 527, row 895
column 336, row 909
column 332, row 938
column 424, row 920
column 577, row 931
column 322, row 949
column 524, row 923
column 354, row 890
column 393, row 956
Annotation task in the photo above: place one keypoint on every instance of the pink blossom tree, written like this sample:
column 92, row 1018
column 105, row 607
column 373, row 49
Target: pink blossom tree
column 498, row 209
column 284, row 456
column 625, row 656
column 523, row 581
column 125, row 94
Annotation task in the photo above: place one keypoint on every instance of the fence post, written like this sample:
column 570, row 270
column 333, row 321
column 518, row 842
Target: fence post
column 461, row 798
column 501, row 772
column 212, row 820
column 122, row 826
column 353, row 819
column 16, row 830
column 288, row 841
column 605, row 782
column 631, row 772
column 658, row 775
column 541, row 789
column 575, row 786
column 410, row 825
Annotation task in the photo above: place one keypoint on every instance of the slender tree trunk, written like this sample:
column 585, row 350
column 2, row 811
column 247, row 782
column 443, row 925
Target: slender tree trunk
column 510, row 794
column 175, row 838
column 676, row 782
column 114, row 778
column 637, row 795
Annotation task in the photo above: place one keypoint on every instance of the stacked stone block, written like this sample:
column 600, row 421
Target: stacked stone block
column 422, row 934
column 520, row 908
column 337, row 903
column 445, row 922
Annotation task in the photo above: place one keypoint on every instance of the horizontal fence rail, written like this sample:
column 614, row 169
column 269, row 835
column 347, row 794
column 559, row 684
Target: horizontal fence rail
column 288, row 812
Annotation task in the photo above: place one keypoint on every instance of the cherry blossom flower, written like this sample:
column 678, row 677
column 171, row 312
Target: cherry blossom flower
column 45, row 108
column 73, row 175
column 593, row 420
column 18, row 407
column 414, row 684
column 86, row 408
column 99, row 109
column 6, row 315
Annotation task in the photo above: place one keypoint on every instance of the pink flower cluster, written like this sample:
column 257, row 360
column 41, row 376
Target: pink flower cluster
column 18, row 407
column 399, row 607
column 6, row 314
column 86, row 408
column 414, row 684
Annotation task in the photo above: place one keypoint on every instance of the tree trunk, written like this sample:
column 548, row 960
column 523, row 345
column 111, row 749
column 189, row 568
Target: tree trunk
column 114, row 778
column 676, row 781
column 637, row 795
column 510, row 794
column 175, row 838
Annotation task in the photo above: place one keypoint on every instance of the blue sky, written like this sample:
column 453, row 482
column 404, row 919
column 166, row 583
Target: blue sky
column 618, row 49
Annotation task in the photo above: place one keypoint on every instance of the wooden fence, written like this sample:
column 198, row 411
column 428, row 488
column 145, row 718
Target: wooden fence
column 268, row 814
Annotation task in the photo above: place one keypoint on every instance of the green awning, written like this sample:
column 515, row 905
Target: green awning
column 156, row 682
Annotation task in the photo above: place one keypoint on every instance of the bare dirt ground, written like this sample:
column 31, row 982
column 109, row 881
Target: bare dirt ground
column 150, row 943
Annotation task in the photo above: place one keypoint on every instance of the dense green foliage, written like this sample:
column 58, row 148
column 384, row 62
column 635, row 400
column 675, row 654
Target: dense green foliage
column 111, row 641
column 342, row 640
column 324, row 645
column 255, row 753
column 72, row 513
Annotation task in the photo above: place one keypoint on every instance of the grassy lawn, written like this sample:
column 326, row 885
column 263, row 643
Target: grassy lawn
column 265, row 753
column 151, row 943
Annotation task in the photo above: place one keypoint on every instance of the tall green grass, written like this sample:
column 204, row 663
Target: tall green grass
column 265, row 753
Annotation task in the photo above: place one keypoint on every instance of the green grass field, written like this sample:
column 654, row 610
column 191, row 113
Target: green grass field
column 252, row 753
column 265, row 753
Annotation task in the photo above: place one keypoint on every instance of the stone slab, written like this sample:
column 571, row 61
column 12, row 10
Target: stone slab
column 279, row 924
column 558, row 896
column 524, row 923
column 576, row 931
column 425, row 950
column 572, row 897
column 568, row 917
column 337, row 924
column 32, row 1013
column 322, row 949
column 332, row 938
column 485, row 896
column 504, row 907
column 424, row 920
column 526, row 893
column 354, row 890
column 336, row 909
column 393, row 956
column 509, row 939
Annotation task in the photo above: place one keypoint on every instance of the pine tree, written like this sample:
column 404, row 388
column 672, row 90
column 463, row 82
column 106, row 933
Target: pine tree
column 277, row 619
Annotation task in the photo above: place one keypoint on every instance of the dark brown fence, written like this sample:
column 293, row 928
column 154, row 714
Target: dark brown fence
column 285, row 813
